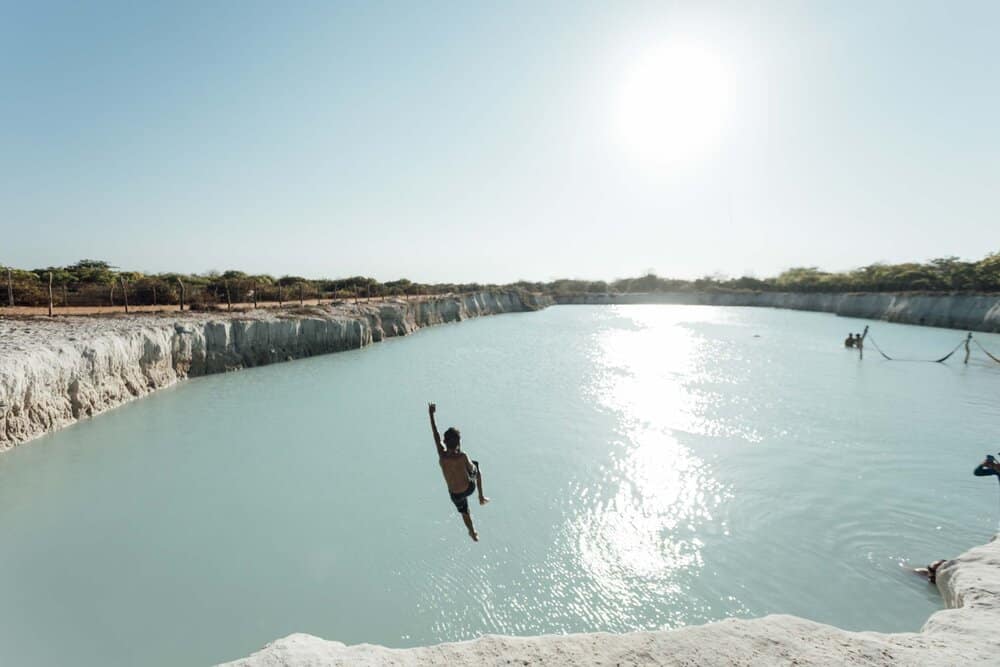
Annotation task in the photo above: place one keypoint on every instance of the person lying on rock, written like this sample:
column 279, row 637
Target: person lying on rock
column 460, row 472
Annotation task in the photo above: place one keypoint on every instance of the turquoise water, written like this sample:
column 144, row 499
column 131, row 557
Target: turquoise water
column 650, row 466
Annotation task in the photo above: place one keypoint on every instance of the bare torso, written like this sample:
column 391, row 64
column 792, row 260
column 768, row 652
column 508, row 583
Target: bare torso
column 457, row 470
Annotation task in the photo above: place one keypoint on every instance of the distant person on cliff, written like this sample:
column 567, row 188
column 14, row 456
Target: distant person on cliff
column 849, row 341
column 460, row 472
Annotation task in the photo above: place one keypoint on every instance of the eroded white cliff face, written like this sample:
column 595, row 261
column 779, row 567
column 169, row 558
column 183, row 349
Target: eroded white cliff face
column 53, row 372
column 970, row 312
column 963, row 634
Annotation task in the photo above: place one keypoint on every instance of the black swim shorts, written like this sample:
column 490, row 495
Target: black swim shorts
column 461, row 500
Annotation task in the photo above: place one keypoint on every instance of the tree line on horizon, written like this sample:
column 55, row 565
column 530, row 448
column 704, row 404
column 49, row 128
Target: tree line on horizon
column 91, row 282
column 944, row 274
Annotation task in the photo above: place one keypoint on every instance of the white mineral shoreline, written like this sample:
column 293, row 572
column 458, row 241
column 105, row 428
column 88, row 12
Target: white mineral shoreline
column 965, row 633
column 970, row 312
column 54, row 372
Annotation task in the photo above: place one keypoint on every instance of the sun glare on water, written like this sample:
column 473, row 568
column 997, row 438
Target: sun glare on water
column 674, row 103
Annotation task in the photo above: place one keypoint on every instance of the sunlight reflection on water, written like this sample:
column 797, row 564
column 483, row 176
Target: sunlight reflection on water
column 643, row 532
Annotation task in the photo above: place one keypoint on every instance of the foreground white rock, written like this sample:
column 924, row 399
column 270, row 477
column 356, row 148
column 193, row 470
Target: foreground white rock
column 56, row 371
column 967, row 633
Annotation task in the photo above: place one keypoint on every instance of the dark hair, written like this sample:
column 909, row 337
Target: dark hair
column 451, row 438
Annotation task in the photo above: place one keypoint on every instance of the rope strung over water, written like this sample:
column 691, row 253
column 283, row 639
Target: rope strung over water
column 943, row 359
column 987, row 352
column 871, row 339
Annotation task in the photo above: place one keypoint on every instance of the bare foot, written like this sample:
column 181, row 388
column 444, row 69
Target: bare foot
column 474, row 535
column 483, row 501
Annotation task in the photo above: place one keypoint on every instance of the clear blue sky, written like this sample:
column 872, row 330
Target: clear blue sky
column 496, row 141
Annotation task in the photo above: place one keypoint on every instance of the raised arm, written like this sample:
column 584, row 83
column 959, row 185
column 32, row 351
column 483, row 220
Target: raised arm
column 431, row 409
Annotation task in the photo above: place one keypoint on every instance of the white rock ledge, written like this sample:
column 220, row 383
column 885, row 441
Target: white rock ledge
column 970, row 312
column 966, row 633
column 56, row 371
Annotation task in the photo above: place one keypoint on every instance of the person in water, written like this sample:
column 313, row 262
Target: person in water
column 849, row 341
column 859, row 342
column 460, row 472
column 988, row 467
column 930, row 571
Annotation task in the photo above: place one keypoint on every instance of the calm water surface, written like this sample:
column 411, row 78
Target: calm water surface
column 651, row 466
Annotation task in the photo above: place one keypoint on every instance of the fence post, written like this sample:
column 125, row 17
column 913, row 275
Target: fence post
column 302, row 299
column 124, row 292
column 50, row 294
column 10, row 287
column 182, row 293
column 229, row 299
column 255, row 296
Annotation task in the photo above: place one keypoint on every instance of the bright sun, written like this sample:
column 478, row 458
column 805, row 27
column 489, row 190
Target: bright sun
column 674, row 103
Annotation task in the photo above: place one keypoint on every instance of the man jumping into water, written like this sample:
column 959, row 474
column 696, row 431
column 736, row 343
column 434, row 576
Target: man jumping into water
column 460, row 472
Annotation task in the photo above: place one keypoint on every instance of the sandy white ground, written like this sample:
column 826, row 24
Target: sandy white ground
column 966, row 633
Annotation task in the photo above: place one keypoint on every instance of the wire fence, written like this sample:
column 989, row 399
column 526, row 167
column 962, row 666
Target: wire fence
column 23, row 295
